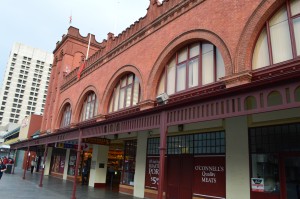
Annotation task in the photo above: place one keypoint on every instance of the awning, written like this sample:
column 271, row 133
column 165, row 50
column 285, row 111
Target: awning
column 17, row 130
column 3, row 146
column 36, row 134
column 11, row 141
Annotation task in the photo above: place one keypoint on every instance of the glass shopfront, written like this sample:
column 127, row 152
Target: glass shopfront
column 129, row 162
column 275, row 162
column 72, row 163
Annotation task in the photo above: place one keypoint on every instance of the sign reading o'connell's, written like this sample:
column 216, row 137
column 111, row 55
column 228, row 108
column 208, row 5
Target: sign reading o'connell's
column 209, row 176
column 100, row 141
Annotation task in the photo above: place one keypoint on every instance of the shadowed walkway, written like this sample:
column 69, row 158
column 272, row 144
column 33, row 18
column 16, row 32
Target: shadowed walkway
column 12, row 186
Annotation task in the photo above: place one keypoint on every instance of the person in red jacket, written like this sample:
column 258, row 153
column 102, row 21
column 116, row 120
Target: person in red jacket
column 2, row 168
column 5, row 160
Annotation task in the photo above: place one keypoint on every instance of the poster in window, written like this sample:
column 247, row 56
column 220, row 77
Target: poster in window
column 152, row 172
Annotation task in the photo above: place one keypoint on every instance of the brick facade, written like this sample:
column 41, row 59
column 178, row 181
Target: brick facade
column 147, row 45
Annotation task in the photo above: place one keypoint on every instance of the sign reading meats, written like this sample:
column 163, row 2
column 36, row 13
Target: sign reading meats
column 209, row 176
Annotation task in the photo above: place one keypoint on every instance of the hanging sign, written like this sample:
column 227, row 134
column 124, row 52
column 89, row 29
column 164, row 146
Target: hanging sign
column 100, row 141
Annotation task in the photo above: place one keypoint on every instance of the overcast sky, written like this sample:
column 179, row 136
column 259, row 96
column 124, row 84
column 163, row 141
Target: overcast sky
column 41, row 23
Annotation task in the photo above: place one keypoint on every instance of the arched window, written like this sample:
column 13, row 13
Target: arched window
column 280, row 38
column 126, row 93
column 89, row 107
column 195, row 65
column 66, row 117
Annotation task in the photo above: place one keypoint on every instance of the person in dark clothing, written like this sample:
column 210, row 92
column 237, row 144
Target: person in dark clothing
column 2, row 168
column 84, row 174
column 33, row 165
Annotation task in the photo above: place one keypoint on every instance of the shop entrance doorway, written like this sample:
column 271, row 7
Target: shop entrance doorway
column 115, row 164
column 179, row 176
column 291, row 177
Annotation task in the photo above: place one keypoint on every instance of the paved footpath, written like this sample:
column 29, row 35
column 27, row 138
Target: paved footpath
column 12, row 186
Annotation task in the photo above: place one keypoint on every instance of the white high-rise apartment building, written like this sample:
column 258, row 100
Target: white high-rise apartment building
column 25, row 83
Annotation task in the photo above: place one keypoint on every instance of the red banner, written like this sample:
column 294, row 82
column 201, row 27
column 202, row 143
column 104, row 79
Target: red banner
column 152, row 172
column 209, row 176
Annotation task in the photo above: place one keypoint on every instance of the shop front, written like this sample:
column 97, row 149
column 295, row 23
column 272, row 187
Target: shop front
column 275, row 161
column 195, row 166
column 58, row 162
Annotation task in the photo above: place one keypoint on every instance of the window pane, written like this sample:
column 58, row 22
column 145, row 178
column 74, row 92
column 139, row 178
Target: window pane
column 87, row 110
column 207, row 48
column 280, row 37
column 194, row 50
column 265, row 166
column 128, row 96
column 193, row 73
column 171, row 78
column 161, row 85
column 123, row 82
column 181, row 76
column 261, row 52
column 136, row 91
column 130, row 78
column 220, row 65
column 110, row 106
column 296, row 23
column 116, row 104
column 295, row 7
column 207, row 67
column 182, row 55
column 122, row 96
column 92, row 110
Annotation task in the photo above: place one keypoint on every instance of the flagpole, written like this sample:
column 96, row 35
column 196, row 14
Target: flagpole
column 87, row 55
column 88, row 49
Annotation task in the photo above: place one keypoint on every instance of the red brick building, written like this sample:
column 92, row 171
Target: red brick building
column 202, row 96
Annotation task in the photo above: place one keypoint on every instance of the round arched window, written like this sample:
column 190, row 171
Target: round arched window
column 126, row 93
column 89, row 107
column 280, row 38
column 193, row 66
column 66, row 116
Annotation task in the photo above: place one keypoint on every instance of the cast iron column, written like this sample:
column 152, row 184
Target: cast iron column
column 26, row 163
column 43, row 170
column 15, row 158
column 77, row 165
column 162, row 150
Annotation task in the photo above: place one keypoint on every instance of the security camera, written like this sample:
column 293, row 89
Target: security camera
column 162, row 98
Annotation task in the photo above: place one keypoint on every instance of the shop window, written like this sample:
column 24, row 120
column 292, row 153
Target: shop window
column 274, row 98
column 266, row 143
column 58, row 160
column 153, row 146
column 89, row 108
column 126, row 93
column 66, row 117
column 195, row 65
column 297, row 94
column 250, row 103
column 281, row 36
column 129, row 162
column 180, row 144
column 209, row 143
column 72, row 163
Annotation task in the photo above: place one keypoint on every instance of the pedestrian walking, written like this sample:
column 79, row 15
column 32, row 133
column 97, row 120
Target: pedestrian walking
column 2, row 168
column 33, row 164
column 84, row 174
